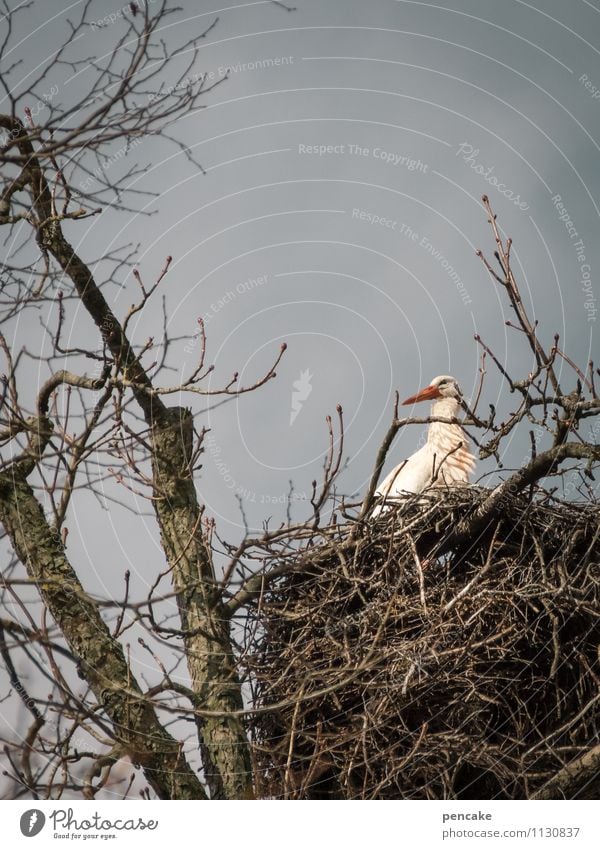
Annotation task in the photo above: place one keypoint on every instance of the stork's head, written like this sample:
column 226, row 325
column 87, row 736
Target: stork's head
column 442, row 386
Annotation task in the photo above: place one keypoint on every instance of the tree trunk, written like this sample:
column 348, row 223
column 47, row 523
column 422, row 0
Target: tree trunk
column 102, row 663
column 204, row 618
column 578, row 780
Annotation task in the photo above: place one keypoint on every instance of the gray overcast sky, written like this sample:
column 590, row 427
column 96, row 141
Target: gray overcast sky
column 345, row 159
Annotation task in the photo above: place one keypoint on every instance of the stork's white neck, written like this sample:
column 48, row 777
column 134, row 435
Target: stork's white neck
column 445, row 408
column 450, row 444
column 441, row 433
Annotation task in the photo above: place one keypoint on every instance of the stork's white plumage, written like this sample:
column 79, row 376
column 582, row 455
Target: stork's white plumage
column 444, row 460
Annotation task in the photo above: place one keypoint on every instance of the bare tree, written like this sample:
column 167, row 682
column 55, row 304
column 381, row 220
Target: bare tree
column 80, row 427
column 99, row 415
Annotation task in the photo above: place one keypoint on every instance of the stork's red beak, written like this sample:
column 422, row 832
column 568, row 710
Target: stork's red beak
column 426, row 394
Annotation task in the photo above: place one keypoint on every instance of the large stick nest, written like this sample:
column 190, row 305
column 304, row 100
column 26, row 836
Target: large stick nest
column 388, row 667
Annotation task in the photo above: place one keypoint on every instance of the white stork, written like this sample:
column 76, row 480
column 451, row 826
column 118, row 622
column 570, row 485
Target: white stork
column 444, row 460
